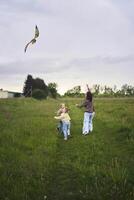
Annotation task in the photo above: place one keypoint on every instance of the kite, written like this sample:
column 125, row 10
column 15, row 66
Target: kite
column 34, row 39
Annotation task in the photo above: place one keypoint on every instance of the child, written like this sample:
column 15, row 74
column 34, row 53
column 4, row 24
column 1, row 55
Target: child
column 59, row 112
column 65, row 118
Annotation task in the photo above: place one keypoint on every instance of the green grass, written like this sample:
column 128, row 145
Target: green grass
column 37, row 164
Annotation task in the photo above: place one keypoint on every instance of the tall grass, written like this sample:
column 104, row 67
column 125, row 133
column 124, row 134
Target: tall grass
column 37, row 164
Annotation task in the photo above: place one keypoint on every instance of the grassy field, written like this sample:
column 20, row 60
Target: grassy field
column 37, row 164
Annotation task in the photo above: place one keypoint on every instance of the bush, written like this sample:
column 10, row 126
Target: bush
column 39, row 94
column 17, row 94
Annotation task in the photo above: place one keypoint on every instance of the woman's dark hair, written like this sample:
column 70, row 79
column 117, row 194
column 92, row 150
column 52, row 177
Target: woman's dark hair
column 89, row 96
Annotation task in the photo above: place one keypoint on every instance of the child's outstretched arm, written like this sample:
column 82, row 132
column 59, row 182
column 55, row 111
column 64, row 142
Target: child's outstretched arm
column 58, row 112
column 81, row 105
column 87, row 88
column 58, row 117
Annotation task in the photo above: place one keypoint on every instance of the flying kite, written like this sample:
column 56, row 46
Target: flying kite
column 34, row 39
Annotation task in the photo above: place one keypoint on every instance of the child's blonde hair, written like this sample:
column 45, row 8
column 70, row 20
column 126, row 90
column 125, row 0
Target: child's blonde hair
column 62, row 105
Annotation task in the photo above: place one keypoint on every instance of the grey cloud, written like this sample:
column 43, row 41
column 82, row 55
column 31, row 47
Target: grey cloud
column 24, row 6
column 44, row 66
column 118, row 59
column 102, row 60
column 59, row 65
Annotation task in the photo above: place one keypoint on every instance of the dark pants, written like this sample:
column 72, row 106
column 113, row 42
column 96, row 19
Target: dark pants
column 60, row 127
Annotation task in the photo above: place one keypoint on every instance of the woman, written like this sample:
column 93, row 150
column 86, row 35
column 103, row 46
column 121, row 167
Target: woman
column 88, row 114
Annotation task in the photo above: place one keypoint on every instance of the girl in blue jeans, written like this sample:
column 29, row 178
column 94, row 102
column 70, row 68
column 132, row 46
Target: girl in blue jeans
column 59, row 112
column 65, row 118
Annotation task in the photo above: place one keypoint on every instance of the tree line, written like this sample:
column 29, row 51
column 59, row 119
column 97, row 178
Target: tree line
column 37, row 88
column 103, row 91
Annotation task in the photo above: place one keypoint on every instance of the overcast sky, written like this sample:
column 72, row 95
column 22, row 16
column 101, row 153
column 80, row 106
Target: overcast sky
column 81, row 41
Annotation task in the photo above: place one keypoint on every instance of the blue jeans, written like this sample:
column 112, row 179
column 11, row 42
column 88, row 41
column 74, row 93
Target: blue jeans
column 59, row 127
column 66, row 129
column 87, row 123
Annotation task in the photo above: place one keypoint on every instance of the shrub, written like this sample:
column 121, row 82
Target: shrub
column 39, row 94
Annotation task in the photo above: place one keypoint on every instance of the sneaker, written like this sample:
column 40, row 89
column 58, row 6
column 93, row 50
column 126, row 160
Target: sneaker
column 85, row 133
column 57, row 129
column 65, row 138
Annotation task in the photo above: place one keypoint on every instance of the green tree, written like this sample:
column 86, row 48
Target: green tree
column 32, row 84
column 97, row 89
column 52, row 88
column 40, row 84
column 74, row 92
column 27, row 89
column 127, row 90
